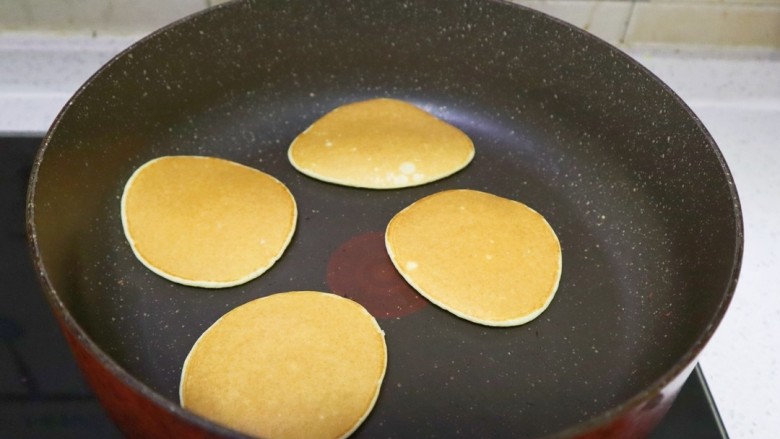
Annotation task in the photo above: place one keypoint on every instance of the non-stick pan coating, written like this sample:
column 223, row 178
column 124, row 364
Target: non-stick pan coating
column 635, row 188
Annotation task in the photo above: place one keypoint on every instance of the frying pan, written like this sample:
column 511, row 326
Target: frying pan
column 636, row 189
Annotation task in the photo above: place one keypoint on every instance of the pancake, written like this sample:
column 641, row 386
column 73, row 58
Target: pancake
column 380, row 144
column 301, row 364
column 206, row 222
column 484, row 258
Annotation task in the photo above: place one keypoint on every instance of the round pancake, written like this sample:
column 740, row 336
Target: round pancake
column 380, row 144
column 485, row 258
column 206, row 222
column 301, row 364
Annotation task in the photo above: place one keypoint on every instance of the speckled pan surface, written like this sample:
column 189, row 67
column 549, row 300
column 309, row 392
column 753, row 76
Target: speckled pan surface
column 635, row 188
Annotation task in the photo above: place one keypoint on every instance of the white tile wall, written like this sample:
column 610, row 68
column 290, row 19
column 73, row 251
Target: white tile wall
column 93, row 16
column 706, row 24
column 740, row 23
column 752, row 2
column 754, row 23
column 605, row 19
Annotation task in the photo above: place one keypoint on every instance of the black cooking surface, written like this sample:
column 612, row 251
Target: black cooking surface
column 42, row 394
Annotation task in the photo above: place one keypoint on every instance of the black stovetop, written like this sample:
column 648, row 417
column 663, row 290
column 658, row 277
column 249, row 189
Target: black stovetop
column 42, row 393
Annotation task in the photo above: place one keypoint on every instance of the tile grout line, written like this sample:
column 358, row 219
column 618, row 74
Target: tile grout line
column 628, row 22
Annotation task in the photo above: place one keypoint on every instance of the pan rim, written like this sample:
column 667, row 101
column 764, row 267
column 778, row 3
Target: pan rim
column 602, row 419
column 685, row 362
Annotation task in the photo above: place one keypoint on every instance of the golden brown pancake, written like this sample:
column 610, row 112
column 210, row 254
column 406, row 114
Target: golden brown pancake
column 206, row 222
column 482, row 257
column 301, row 364
column 380, row 144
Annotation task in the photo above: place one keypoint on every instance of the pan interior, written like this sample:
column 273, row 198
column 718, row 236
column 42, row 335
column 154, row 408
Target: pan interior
column 629, row 180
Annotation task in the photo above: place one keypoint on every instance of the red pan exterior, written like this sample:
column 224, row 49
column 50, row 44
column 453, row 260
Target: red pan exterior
column 133, row 412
